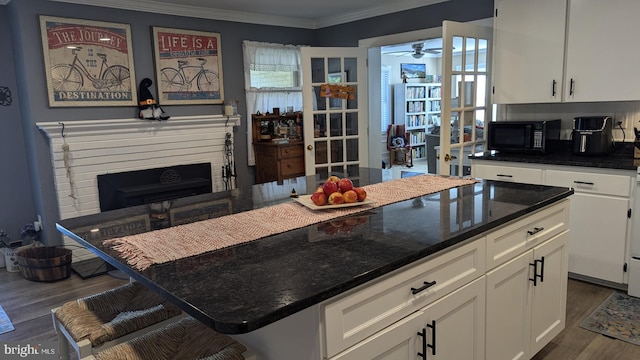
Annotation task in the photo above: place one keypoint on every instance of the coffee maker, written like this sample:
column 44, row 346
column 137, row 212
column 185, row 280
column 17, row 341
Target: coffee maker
column 592, row 135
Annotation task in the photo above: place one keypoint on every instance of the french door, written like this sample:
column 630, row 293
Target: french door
column 335, row 111
column 466, row 105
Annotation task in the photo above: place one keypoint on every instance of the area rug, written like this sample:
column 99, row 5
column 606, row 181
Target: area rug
column 5, row 322
column 618, row 317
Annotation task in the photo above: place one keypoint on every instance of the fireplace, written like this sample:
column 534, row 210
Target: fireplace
column 112, row 146
column 131, row 188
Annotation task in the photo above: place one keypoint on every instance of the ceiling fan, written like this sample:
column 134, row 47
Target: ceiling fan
column 418, row 51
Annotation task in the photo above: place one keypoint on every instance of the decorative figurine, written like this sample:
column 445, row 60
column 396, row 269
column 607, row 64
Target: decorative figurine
column 149, row 108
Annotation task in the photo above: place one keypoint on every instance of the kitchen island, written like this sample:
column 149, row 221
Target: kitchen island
column 279, row 294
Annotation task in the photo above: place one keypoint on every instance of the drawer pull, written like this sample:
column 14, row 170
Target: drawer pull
column 504, row 175
column 583, row 183
column 432, row 326
column 423, row 354
column 424, row 287
column 535, row 230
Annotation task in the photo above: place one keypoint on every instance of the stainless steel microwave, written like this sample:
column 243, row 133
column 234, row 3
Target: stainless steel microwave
column 522, row 136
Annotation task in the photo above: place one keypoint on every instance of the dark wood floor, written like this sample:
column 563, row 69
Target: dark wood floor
column 28, row 305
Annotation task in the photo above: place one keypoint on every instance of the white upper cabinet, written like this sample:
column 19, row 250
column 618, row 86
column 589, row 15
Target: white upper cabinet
column 528, row 53
column 602, row 51
column 600, row 55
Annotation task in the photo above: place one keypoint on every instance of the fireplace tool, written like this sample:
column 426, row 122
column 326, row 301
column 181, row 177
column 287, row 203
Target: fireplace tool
column 229, row 169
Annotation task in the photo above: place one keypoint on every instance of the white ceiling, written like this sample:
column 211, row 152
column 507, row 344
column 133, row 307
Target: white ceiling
column 310, row 14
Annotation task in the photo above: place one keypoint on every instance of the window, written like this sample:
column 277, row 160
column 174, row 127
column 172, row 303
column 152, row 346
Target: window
column 273, row 79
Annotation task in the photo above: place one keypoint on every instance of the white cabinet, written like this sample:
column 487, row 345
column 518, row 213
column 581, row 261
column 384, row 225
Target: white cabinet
column 529, row 51
column 602, row 51
column 600, row 225
column 417, row 106
column 599, row 219
column 526, row 301
column 457, row 319
column 353, row 317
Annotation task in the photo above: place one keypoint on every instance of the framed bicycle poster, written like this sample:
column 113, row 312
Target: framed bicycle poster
column 88, row 63
column 188, row 67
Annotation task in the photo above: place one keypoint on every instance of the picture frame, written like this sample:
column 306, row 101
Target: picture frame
column 413, row 71
column 88, row 63
column 188, row 66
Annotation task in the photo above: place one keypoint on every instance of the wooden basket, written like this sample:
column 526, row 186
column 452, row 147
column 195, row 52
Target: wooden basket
column 45, row 263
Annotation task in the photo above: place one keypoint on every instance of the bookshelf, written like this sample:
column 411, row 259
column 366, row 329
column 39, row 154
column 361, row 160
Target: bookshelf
column 417, row 106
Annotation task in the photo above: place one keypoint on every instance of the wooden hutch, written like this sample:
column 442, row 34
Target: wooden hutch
column 278, row 148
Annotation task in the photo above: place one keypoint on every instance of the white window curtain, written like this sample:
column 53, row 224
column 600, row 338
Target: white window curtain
column 263, row 95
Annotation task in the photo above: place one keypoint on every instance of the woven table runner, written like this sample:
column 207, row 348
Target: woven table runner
column 160, row 246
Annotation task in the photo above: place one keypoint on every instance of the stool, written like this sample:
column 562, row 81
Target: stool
column 186, row 339
column 99, row 321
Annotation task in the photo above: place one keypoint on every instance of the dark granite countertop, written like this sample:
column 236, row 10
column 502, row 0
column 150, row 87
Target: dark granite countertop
column 242, row 288
column 621, row 158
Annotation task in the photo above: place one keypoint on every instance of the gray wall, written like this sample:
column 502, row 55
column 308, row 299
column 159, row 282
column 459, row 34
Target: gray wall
column 25, row 144
column 16, row 203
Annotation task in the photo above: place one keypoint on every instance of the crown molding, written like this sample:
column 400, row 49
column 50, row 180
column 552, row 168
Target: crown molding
column 388, row 8
column 252, row 18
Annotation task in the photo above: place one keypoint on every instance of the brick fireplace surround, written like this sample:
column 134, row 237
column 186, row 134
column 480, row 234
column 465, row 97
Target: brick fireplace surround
column 110, row 146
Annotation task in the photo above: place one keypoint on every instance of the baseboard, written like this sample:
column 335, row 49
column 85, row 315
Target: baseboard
column 609, row 284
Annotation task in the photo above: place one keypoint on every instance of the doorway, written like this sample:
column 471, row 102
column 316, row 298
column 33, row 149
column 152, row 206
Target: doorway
column 377, row 145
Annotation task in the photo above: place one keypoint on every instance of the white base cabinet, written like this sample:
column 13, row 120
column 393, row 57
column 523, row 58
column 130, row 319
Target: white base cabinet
column 526, row 301
column 600, row 226
column 450, row 328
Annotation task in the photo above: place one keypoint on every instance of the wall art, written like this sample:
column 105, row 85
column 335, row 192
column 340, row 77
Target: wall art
column 413, row 71
column 88, row 63
column 188, row 67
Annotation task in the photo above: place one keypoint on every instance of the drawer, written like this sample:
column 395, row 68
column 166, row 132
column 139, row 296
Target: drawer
column 586, row 182
column 291, row 151
column 292, row 166
column 517, row 237
column 351, row 318
column 508, row 173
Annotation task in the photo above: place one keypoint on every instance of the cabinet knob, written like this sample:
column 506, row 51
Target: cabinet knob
column 309, row 147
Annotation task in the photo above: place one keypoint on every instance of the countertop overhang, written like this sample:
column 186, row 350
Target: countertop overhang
column 243, row 288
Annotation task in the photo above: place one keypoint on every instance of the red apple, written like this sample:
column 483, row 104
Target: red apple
column 319, row 198
column 319, row 189
column 345, row 184
column 333, row 178
column 350, row 196
column 335, row 198
column 362, row 193
column 329, row 187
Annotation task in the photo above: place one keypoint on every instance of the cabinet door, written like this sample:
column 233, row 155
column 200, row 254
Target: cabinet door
column 528, row 53
column 550, row 292
column 458, row 320
column 508, row 329
column 602, row 58
column 598, row 236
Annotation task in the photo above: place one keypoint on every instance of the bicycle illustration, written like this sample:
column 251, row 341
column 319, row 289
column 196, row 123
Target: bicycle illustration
column 176, row 80
column 70, row 77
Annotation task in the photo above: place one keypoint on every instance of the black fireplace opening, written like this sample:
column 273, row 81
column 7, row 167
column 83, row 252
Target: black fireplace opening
column 132, row 188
